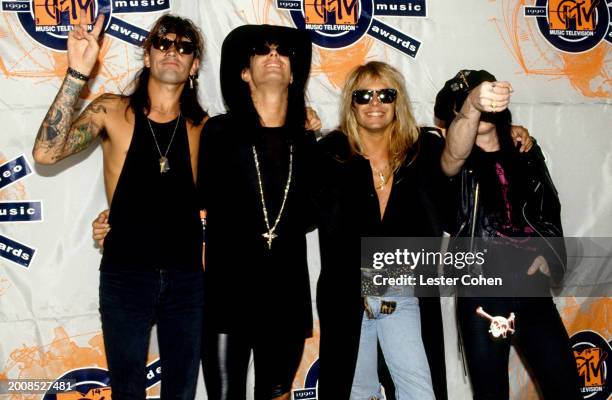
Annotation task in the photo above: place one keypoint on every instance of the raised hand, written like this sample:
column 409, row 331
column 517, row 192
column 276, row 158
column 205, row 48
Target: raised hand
column 83, row 46
column 60, row 135
column 490, row 96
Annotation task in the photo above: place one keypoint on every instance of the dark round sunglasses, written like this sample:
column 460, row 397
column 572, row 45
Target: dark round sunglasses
column 263, row 49
column 364, row 96
column 163, row 44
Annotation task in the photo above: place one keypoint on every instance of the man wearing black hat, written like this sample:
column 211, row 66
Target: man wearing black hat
column 151, row 269
column 508, row 198
column 253, row 186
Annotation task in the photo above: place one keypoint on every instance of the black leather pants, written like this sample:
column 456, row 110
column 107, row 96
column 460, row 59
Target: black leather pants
column 225, row 361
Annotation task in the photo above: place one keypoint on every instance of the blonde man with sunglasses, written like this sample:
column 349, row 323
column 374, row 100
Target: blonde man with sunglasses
column 380, row 172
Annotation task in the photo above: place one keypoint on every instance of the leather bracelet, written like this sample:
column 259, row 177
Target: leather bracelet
column 77, row 75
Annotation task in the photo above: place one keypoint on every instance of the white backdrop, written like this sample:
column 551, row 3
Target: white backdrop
column 49, row 322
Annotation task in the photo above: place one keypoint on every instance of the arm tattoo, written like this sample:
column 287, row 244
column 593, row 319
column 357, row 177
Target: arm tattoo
column 81, row 135
column 53, row 121
column 58, row 136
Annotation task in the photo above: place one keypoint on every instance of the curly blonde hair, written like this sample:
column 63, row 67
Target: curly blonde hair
column 404, row 132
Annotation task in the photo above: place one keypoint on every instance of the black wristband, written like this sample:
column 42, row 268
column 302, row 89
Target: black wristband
column 77, row 75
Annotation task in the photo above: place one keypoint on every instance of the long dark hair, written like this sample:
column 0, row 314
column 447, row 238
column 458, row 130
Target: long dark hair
column 237, row 50
column 189, row 103
column 503, row 126
column 296, row 108
column 296, row 105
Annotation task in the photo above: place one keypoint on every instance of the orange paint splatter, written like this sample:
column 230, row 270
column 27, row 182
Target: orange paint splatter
column 5, row 284
column 30, row 60
column 580, row 317
column 52, row 360
column 587, row 72
column 576, row 317
column 583, row 69
column 63, row 354
column 14, row 192
column 337, row 64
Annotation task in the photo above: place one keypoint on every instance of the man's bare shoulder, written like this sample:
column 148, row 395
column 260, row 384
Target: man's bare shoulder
column 111, row 102
column 116, row 111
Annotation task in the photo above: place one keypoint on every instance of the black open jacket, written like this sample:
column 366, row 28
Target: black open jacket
column 537, row 203
column 349, row 210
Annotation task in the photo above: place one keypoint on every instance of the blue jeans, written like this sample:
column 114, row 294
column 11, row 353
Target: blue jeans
column 131, row 302
column 399, row 334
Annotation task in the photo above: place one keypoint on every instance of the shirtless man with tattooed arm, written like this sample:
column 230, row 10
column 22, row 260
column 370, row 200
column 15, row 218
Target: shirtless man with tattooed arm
column 151, row 269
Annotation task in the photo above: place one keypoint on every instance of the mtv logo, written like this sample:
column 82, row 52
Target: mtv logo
column 576, row 15
column 338, row 12
column 590, row 366
column 63, row 12
column 92, row 394
column 314, row 12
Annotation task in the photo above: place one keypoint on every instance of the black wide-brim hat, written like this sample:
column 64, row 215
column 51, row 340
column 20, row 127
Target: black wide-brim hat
column 237, row 50
column 451, row 97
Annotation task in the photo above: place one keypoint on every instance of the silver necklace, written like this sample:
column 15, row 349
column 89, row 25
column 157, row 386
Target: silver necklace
column 270, row 235
column 164, row 165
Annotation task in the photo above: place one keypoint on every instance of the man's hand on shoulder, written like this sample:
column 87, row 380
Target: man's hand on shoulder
column 101, row 227
column 520, row 134
column 313, row 122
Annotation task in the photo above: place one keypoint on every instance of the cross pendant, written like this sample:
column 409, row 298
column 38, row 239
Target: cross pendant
column 164, row 165
column 270, row 236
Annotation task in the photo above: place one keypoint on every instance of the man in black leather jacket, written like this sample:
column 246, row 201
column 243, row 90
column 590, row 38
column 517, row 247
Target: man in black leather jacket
column 506, row 202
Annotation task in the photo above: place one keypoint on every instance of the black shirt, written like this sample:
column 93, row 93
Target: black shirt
column 154, row 216
column 248, row 284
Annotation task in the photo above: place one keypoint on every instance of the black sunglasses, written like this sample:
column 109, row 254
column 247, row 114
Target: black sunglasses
column 263, row 49
column 163, row 44
column 364, row 96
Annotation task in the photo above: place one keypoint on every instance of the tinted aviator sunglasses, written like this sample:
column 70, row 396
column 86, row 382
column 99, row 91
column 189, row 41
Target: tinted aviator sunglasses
column 263, row 49
column 163, row 44
column 364, row 96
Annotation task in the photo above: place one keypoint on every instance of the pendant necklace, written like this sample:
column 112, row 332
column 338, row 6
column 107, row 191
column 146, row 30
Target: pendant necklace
column 270, row 235
column 381, row 176
column 164, row 165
